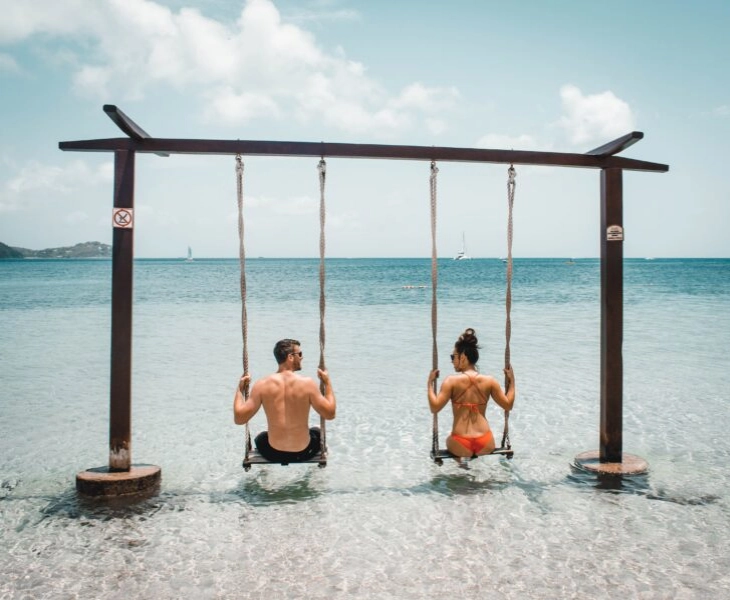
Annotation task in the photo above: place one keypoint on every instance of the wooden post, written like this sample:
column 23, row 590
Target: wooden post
column 612, row 323
column 610, row 458
column 120, row 393
column 121, row 477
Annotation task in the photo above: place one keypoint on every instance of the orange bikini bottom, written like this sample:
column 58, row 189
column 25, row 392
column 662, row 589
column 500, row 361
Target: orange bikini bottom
column 474, row 444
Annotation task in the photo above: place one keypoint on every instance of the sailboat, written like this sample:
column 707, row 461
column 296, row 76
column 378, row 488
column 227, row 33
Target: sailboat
column 190, row 255
column 462, row 255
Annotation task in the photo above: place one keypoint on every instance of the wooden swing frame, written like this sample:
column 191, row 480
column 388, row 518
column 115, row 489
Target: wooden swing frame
column 139, row 141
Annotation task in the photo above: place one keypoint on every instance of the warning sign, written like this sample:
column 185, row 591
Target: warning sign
column 615, row 233
column 123, row 218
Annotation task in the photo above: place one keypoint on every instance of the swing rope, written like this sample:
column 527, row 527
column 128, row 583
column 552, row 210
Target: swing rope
column 511, row 184
column 434, row 305
column 322, row 168
column 242, row 260
column 505, row 447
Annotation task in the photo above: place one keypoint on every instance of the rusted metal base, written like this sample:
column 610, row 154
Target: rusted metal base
column 100, row 481
column 629, row 465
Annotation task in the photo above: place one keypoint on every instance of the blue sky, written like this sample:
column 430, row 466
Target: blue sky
column 564, row 76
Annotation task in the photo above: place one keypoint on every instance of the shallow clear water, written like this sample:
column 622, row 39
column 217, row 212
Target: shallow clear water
column 381, row 519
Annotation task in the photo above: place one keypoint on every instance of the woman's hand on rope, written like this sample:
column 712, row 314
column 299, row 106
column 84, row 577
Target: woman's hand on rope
column 437, row 402
column 509, row 388
column 243, row 383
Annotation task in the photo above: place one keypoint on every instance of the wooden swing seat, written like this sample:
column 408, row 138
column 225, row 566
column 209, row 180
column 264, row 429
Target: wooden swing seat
column 254, row 458
column 439, row 456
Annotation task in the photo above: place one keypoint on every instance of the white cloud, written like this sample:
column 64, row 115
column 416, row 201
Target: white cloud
column 297, row 205
column 34, row 177
column 419, row 96
column 506, row 142
column 722, row 111
column 255, row 202
column 587, row 118
column 258, row 66
column 228, row 106
column 94, row 79
column 349, row 221
column 435, row 126
column 594, row 118
column 323, row 11
column 249, row 202
column 24, row 19
column 301, row 205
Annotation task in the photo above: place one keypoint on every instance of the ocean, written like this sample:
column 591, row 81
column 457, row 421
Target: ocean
column 381, row 520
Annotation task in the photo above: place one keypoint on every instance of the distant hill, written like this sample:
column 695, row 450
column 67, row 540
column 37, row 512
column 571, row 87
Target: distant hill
column 8, row 252
column 83, row 250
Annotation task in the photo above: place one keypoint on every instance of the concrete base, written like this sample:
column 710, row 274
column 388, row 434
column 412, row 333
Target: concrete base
column 629, row 465
column 100, row 481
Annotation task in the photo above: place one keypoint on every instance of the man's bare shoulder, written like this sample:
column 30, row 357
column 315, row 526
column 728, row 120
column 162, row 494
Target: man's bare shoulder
column 286, row 378
column 270, row 381
column 304, row 381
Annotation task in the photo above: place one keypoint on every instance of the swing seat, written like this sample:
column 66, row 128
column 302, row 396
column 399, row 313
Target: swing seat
column 254, row 458
column 439, row 456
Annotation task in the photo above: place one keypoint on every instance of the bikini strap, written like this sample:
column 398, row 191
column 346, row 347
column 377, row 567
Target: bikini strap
column 472, row 405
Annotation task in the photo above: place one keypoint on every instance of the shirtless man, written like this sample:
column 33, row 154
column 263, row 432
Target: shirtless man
column 286, row 398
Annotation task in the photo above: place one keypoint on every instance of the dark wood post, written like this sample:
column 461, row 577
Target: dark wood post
column 120, row 394
column 612, row 325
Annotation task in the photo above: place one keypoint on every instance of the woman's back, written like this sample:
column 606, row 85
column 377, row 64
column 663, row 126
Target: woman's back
column 470, row 394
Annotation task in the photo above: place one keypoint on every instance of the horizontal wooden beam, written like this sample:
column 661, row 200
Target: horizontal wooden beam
column 323, row 149
column 617, row 145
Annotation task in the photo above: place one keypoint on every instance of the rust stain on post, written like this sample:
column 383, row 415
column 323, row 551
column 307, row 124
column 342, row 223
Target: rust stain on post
column 120, row 458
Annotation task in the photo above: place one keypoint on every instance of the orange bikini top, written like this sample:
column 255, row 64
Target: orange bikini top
column 472, row 406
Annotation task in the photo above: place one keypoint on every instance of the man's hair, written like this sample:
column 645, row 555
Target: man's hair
column 284, row 348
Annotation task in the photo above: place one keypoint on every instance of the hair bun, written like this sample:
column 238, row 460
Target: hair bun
column 469, row 337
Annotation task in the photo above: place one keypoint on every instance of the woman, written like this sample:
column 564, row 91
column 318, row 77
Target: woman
column 469, row 393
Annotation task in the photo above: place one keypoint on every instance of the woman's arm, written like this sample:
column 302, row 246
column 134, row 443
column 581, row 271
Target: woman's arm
column 437, row 402
column 505, row 400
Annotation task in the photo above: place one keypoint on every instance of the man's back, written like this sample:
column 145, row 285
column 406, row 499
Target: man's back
column 286, row 398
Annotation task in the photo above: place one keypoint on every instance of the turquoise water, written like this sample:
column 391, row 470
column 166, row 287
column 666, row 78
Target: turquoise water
column 381, row 520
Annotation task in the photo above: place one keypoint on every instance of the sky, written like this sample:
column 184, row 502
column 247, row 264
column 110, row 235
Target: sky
column 560, row 76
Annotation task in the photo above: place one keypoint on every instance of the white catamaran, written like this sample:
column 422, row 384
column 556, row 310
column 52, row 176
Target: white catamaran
column 462, row 255
column 190, row 255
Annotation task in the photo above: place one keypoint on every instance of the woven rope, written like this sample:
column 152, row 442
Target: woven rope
column 434, row 304
column 322, row 168
column 511, row 185
column 242, row 260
